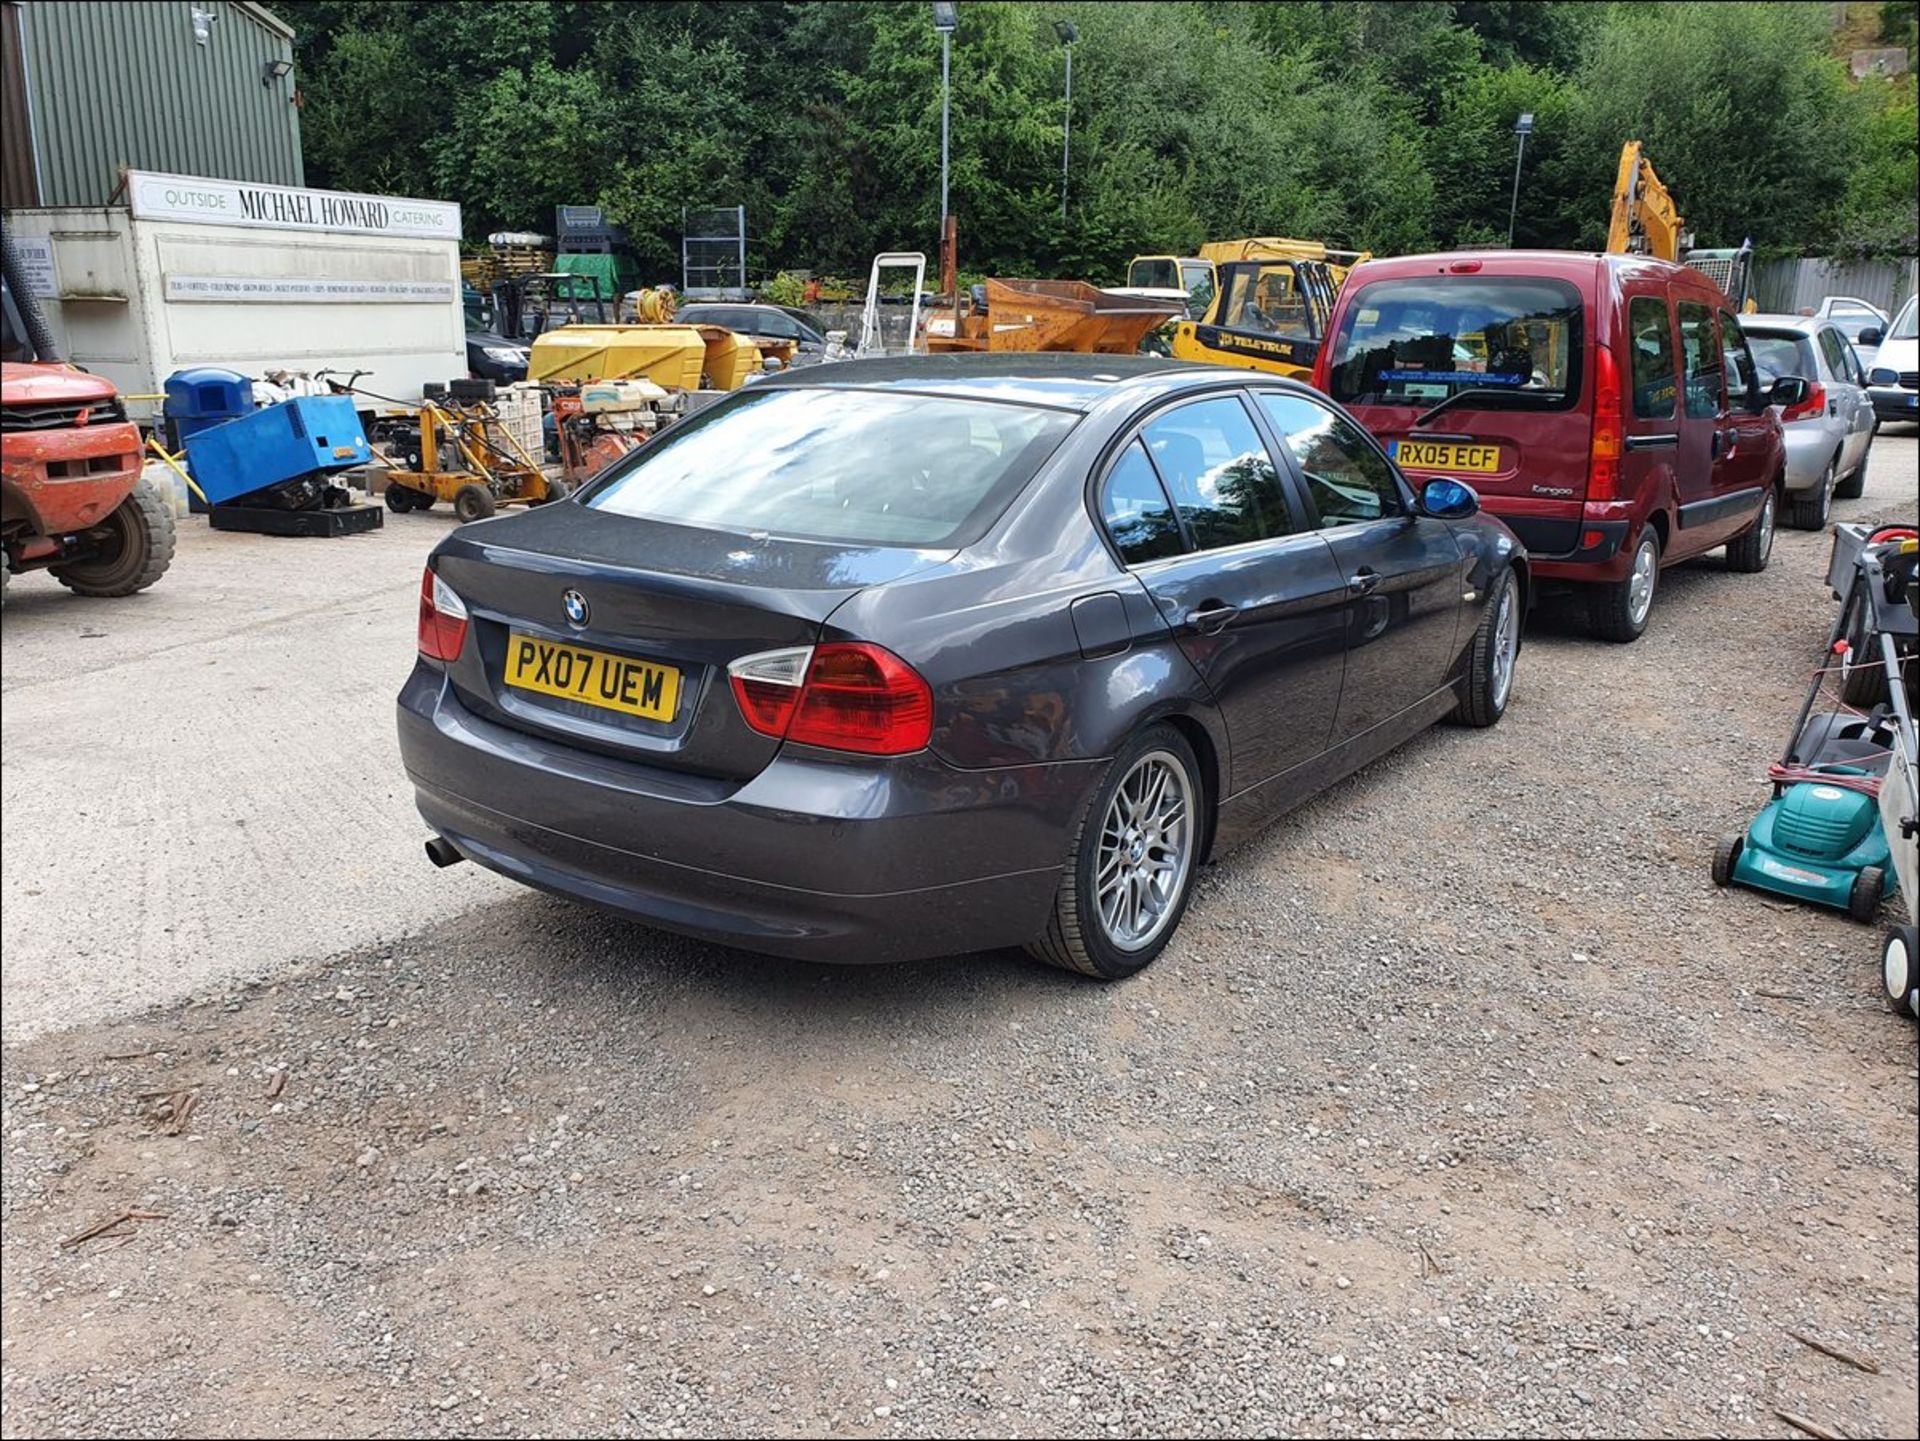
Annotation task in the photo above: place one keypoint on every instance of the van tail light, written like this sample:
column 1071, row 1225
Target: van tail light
column 845, row 697
column 1814, row 404
column 443, row 619
column 1323, row 364
column 1603, row 473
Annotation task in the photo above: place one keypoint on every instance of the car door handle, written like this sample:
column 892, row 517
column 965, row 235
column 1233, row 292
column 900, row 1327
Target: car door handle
column 1212, row 616
column 1363, row 582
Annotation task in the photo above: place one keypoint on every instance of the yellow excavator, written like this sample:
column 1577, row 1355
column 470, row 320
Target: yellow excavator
column 1646, row 221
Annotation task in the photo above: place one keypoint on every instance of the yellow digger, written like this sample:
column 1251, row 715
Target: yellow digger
column 1269, row 306
column 1646, row 221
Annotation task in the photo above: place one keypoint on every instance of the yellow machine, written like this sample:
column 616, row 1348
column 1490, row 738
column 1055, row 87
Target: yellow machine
column 679, row 357
column 1646, row 221
column 1266, row 315
column 463, row 454
column 1280, row 247
column 1189, row 274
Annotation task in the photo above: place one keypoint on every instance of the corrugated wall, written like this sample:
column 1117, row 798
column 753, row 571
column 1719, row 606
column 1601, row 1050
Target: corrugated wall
column 1786, row 286
column 124, row 83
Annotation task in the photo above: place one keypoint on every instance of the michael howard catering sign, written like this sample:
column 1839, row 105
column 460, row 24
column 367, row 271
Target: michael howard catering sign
column 282, row 207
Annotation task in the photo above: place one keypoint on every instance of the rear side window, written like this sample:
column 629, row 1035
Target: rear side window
column 1650, row 327
column 1217, row 470
column 1700, row 352
column 1350, row 481
column 1136, row 510
column 1512, row 340
column 848, row 466
column 1777, row 353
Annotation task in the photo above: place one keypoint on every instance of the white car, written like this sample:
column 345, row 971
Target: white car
column 1893, row 375
column 1852, row 317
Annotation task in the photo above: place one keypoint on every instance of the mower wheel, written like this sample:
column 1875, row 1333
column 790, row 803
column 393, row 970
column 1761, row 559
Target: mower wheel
column 473, row 502
column 1863, row 901
column 1725, row 855
column 1863, row 680
column 1900, row 968
column 399, row 498
column 136, row 552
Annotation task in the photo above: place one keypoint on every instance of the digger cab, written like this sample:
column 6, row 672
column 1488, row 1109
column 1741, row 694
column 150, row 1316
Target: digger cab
column 1266, row 315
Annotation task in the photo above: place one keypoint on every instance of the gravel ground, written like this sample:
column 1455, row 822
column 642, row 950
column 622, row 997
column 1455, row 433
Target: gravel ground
column 1463, row 1104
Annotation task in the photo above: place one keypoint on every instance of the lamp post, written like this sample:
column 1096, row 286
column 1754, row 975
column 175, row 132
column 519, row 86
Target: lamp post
column 1068, row 33
column 1523, row 127
column 946, row 19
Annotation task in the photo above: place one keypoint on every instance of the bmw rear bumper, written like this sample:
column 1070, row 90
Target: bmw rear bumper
column 820, row 857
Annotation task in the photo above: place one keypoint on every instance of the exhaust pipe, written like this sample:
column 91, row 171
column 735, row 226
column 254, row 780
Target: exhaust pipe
column 443, row 853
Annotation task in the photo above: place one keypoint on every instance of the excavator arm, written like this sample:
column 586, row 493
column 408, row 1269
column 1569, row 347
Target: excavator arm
column 1645, row 220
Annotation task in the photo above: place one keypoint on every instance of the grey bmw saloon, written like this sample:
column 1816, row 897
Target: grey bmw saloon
column 899, row 658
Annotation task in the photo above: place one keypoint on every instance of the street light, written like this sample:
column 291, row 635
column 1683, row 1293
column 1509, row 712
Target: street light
column 1523, row 127
column 946, row 19
column 1068, row 33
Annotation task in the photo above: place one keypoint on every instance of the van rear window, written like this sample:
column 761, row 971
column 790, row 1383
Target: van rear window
column 1514, row 342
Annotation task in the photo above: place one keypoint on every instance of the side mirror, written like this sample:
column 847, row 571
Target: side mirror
column 1872, row 335
column 1446, row 499
column 1789, row 391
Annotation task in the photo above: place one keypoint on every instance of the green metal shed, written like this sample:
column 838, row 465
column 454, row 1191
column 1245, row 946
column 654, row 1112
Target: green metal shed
column 186, row 87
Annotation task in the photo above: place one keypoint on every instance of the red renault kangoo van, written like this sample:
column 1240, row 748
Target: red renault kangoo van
column 1606, row 407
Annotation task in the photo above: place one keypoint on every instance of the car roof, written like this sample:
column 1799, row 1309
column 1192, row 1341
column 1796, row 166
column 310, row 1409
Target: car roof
column 1805, row 324
column 1060, row 381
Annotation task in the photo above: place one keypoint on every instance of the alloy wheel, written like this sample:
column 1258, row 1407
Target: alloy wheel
column 1146, row 849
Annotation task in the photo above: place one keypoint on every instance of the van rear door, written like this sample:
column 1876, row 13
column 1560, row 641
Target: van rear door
column 1479, row 375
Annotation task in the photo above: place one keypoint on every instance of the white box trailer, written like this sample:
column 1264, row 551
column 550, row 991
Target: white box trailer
column 250, row 278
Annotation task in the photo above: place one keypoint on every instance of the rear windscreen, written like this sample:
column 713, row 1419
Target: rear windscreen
column 857, row 467
column 1778, row 354
column 1513, row 341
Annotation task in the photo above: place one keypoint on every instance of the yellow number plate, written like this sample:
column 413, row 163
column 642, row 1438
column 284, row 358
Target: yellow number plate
column 592, row 677
column 1448, row 455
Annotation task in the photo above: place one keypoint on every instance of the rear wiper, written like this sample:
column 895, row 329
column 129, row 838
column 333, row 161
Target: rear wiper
column 1482, row 391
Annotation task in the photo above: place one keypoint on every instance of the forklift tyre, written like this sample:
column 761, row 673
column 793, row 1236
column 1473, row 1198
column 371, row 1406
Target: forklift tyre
column 1900, row 968
column 1863, row 901
column 557, row 489
column 400, row 499
column 473, row 502
column 136, row 553
column 1725, row 855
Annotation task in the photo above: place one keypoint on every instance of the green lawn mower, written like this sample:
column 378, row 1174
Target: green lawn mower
column 1841, row 828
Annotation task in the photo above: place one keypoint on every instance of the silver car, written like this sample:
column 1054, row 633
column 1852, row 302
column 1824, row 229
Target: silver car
column 1829, row 433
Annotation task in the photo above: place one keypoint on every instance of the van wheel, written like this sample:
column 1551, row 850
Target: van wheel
column 1811, row 508
column 1131, row 870
column 1750, row 551
column 1855, row 485
column 1618, row 612
column 1900, row 968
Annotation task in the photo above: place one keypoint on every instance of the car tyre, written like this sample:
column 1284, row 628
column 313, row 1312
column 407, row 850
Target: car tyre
column 1726, row 855
column 1619, row 612
column 1488, row 683
column 1855, row 485
column 137, row 553
column 1131, row 816
column 473, row 502
column 1863, row 901
column 1750, row 551
column 1812, row 508
column 1900, row 968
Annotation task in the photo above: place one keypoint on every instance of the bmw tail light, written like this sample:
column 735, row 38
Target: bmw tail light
column 846, row 697
column 1603, row 473
column 1814, row 404
column 443, row 619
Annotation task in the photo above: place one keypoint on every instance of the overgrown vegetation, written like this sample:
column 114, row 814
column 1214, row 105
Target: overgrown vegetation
column 1385, row 125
